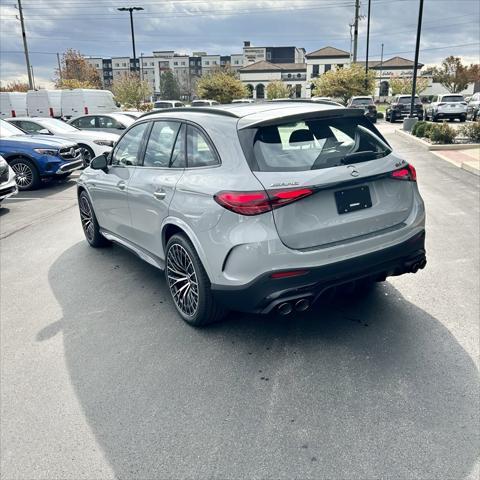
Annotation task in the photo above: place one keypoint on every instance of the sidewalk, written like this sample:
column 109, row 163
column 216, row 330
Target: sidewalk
column 468, row 160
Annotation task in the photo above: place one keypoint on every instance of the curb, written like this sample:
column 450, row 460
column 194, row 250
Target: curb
column 432, row 147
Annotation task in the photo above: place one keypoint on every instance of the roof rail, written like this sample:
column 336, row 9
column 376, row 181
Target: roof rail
column 214, row 110
column 305, row 100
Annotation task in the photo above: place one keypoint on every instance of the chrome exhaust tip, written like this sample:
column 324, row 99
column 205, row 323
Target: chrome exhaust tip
column 302, row 305
column 285, row 309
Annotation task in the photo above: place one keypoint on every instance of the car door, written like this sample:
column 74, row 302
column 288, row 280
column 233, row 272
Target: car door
column 109, row 189
column 153, row 184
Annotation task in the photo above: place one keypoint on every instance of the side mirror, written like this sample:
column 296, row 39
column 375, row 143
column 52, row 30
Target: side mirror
column 44, row 131
column 100, row 163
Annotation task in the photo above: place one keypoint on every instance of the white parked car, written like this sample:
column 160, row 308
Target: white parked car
column 8, row 185
column 449, row 106
column 108, row 122
column 92, row 143
column 13, row 104
column 204, row 103
column 44, row 103
column 243, row 100
column 160, row 104
column 84, row 101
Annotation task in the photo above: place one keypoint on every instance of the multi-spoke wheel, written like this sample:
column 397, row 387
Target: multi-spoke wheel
column 182, row 279
column 90, row 225
column 87, row 154
column 27, row 176
column 189, row 284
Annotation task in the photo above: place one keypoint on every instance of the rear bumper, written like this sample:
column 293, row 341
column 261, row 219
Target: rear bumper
column 450, row 114
column 405, row 114
column 264, row 294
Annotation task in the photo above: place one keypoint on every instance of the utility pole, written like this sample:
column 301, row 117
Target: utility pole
column 368, row 44
column 381, row 72
column 60, row 76
column 417, row 51
column 25, row 46
column 355, row 30
column 131, row 10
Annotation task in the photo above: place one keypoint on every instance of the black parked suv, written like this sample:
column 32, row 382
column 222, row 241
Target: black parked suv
column 366, row 104
column 400, row 108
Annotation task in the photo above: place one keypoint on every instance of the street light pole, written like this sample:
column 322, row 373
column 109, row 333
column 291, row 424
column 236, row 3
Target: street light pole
column 417, row 51
column 25, row 46
column 355, row 30
column 131, row 10
column 368, row 44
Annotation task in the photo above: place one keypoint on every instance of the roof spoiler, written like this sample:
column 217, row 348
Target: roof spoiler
column 250, row 122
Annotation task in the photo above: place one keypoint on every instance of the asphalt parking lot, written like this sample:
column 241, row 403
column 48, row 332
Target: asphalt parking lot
column 101, row 380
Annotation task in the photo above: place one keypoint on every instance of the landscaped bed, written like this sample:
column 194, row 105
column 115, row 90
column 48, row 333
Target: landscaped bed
column 444, row 134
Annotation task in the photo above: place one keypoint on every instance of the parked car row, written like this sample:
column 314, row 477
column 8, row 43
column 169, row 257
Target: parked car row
column 56, row 103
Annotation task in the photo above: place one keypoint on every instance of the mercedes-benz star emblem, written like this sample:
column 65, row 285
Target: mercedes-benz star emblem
column 353, row 170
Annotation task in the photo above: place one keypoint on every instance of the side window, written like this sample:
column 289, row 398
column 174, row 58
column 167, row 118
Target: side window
column 84, row 122
column 160, row 144
column 108, row 122
column 178, row 156
column 29, row 127
column 127, row 149
column 199, row 152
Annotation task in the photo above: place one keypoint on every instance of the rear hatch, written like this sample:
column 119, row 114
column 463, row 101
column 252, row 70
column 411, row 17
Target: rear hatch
column 404, row 105
column 452, row 104
column 338, row 171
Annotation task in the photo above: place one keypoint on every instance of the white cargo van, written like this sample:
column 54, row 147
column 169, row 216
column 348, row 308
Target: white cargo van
column 84, row 101
column 44, row 103
column 13, row 104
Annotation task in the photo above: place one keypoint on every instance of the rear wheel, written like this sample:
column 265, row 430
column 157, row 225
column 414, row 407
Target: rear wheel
column 189, row 284
column 27, row 174
column 90, row 226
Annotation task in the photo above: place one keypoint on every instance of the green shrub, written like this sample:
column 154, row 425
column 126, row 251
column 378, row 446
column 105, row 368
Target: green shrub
column 471, row 131
column 428, row 129
column 419, row 125
column 380, row 115
column 443, row 133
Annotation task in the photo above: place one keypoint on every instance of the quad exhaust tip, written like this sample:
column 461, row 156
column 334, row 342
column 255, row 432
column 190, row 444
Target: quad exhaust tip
column 285, row 309
column 300, row 306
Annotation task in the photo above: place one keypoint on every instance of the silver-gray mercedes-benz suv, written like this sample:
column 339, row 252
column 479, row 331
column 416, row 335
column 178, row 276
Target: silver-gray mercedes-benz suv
column 256, row 207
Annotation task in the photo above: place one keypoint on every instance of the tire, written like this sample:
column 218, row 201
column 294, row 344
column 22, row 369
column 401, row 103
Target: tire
column 90, row 226
column 463, row 118
column 28, row 177
column 197, row 306
column 88, row 154
column 434, row 118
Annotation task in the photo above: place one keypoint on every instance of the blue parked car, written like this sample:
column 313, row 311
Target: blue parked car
column 33, row 157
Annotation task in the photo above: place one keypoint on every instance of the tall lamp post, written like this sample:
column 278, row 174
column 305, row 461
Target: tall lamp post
column 368, row 44
column 408, row 123
column 131, row 10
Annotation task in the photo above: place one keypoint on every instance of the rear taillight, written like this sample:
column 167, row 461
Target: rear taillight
column 255, row 203
column 14, row 113
column 85, row 110
column 408, row 173
column 288, row 274
column 51, row 111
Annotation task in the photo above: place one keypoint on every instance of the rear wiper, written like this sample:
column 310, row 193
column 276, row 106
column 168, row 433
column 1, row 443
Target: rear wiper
column 357, row 156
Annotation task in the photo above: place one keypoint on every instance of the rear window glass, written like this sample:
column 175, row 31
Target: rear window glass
column 200, row 104
column 362, row 101
column 408, row 100
column 316, row 144
column 453, row 98
column 162, row 105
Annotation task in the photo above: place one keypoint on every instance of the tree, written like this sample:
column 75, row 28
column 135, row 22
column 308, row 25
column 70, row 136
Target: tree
column 130, row 90
column 169, row 87
column 403, row 85
column 222, row 86
column 15, row 86
column 453, row 75
column 74, row 66
column 277, row 89
column 344, row 83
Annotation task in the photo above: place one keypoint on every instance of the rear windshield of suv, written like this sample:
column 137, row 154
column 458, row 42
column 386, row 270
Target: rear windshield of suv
column 453, row 98
column 362, row 101
column 316, row 144
column 408, row 100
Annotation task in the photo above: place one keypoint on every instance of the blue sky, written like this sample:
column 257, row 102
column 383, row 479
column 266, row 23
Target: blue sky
column 95, row 27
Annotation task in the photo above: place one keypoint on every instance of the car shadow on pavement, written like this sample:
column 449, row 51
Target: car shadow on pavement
column 374, row 388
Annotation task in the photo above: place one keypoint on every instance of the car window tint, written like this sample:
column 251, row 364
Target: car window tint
column 199, row 153
column 127, row 149
column 84, row 122
column 29, row 127
column 178, row 159
column 108, row 122
column 160, row 144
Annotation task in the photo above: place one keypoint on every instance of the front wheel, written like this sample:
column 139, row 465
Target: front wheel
column 189, row 285
column 88, row 155
column 90, row 226
column 27, row 174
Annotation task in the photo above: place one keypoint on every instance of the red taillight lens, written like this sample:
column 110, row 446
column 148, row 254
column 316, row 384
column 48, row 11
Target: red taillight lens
column 255, row 203
column 14, row 114
column 51, row 111
column 85, row 110
column 291, row 273
column 408, row 173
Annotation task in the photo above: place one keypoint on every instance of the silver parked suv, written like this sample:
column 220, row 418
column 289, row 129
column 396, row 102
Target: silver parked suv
column 256, row 207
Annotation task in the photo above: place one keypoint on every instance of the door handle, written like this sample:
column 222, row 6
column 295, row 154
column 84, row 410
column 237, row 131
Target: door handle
column 121, row 185
column 160, row 195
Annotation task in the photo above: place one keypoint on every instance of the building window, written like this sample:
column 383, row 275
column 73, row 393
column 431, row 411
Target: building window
column 207, row 62
column 236, row 62
column 269, row 56
column 215, row 62
column 299, row 75
column 117, row 64
column 152, row 64
column 289, row 75
column 315, row 71
column 327, row 67
column 183, row 63
column 124, row 64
